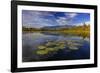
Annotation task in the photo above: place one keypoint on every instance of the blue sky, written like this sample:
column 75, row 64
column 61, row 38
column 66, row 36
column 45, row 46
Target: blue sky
column 39, row 19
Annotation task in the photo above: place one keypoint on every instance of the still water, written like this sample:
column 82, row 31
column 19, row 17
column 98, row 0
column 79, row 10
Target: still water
column 54, row 46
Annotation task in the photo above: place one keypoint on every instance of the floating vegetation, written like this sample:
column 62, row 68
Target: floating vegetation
column 42, row 52
column 41, row 47
column 73, row 48
column 51, row 49
column 55, row 46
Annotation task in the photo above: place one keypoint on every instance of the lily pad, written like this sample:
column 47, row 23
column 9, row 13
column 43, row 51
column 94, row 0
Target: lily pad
column 50, row 49
column 42, row 52
column 41, row 47
column 73, row 48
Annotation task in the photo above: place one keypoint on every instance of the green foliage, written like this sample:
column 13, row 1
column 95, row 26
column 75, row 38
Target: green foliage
column 83, row 31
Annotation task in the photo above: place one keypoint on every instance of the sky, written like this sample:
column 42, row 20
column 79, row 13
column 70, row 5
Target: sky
column 38, row 19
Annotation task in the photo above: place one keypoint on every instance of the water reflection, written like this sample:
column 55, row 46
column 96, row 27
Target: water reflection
column 54, row 46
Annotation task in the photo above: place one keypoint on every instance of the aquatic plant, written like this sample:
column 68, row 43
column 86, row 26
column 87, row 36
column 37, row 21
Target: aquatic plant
column 55, row 46
column 42, row 52
column 73, row 48
column 41, row 47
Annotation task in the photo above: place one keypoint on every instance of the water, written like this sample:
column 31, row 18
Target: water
column 54, row 46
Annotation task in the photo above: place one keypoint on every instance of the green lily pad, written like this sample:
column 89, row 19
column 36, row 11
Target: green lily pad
column 41, row 47
column 50, row 49
column 42, row 52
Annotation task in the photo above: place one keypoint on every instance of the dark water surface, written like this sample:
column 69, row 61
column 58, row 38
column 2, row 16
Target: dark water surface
column 49, row 47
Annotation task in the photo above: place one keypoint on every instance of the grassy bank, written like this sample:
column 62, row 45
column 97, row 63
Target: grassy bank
column 83, row 31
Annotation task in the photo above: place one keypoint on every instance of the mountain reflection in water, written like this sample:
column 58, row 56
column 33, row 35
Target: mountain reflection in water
column 54, row 46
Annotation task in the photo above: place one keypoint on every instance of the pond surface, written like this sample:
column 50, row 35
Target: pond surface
column 54, row 46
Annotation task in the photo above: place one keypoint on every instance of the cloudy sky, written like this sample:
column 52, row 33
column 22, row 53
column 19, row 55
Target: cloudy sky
column 39, row 19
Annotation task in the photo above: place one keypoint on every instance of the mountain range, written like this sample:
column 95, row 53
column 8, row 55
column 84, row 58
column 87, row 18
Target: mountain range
column 58, row 27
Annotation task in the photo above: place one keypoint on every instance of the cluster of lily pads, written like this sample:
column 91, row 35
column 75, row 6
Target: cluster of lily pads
column 55, row 46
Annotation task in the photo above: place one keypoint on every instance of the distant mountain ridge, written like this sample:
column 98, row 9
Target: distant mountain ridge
column 58, row 27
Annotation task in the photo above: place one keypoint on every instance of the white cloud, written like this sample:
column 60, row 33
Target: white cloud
column 67, row 19
column 87, row 23
column 71, row 15
column 62, row 21
column 80, row 24
column 37, row 19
